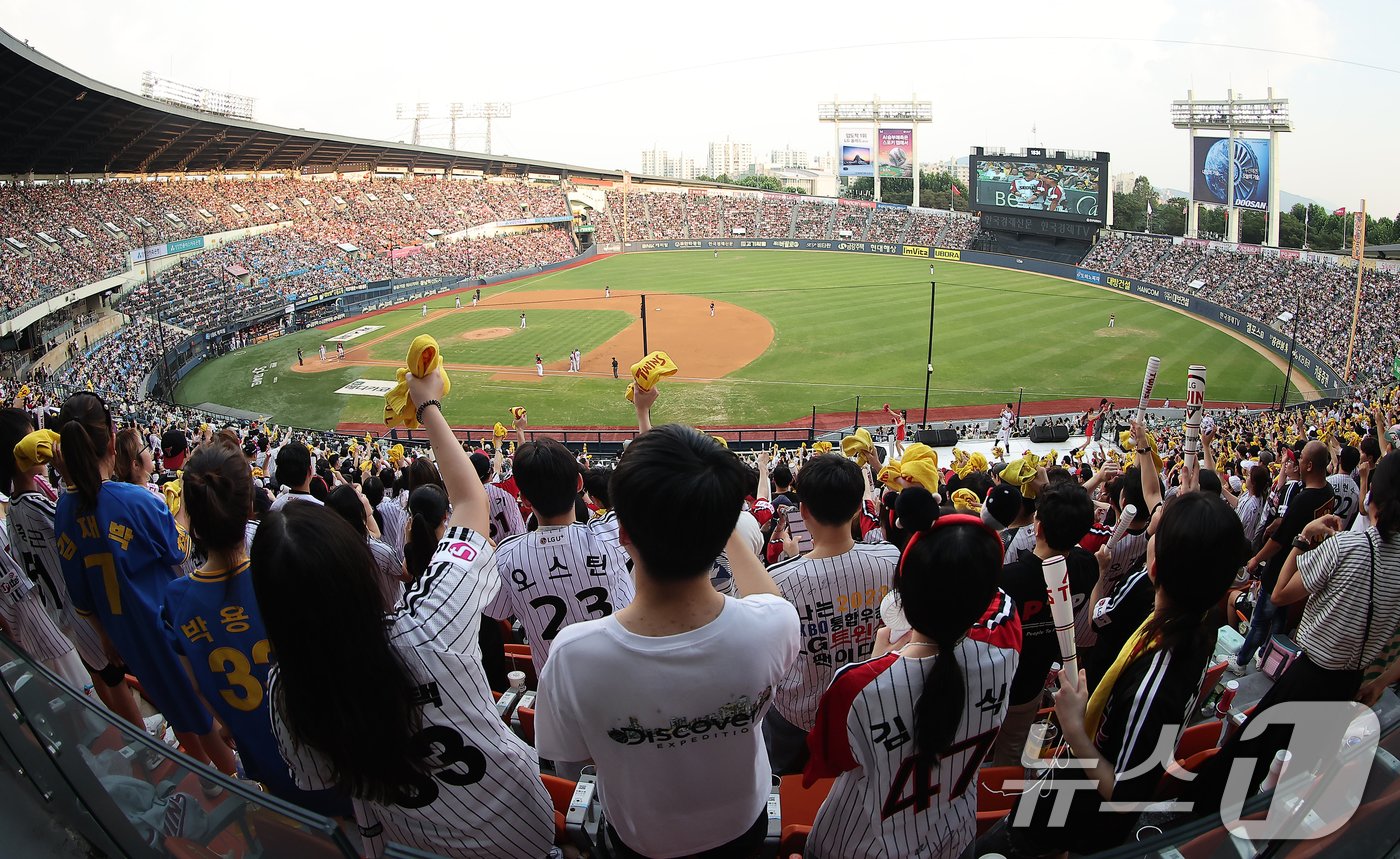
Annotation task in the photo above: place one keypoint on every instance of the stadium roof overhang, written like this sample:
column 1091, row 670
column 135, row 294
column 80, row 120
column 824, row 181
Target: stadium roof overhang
column 58, row 122
column 1383, row 251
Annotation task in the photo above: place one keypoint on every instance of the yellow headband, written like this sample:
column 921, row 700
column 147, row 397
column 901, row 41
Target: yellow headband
column 1020, row 473
column 974, row 462
column 821, row 447
column 918, row 465
column 966, row 501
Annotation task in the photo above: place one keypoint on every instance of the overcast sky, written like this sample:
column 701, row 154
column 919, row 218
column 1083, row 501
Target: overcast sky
column 594, row 84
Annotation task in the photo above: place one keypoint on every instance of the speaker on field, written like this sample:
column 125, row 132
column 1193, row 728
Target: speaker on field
column 1049, row 435
column 937, row 438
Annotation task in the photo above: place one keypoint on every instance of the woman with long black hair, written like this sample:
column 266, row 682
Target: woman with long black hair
column 212, row 618
column 905, row 732
column 395, row 709
column 1116, row 734
column 119, row 551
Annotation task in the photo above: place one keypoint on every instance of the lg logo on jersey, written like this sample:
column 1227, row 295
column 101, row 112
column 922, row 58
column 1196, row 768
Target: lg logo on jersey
column 462, row 552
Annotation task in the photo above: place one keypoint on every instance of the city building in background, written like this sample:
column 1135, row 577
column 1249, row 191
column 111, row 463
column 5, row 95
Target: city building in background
column 659, row 162
column 728, row 158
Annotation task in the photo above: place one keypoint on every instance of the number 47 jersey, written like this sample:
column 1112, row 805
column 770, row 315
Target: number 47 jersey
column 561, row 574
column 885, row 801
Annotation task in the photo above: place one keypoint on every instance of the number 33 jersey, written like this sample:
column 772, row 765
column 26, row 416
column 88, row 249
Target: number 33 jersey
column 885, row 802
column 561, row 574
column 482, row 796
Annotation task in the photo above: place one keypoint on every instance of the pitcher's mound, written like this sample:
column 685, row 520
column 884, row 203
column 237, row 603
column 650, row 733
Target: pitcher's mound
column 486, row 333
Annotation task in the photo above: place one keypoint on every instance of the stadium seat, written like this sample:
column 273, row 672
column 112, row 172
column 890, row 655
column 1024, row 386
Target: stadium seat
column 794, row 840
column 800, row 803
column 1213, row 675
column 527, row 723
column 561, row 791
column 1171, row 783
column 1198, row 738
column 183, row 848
column 518, row 659
column 994, row 802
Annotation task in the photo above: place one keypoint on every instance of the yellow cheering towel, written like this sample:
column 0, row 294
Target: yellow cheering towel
column 499, row 430
column 973, row 463
column 258, row 472
column 966, row 501
column 723, row 442
column 1136, row 647
column 1020, row 472
column 369, row 442
column 647, row 372
column 395, row 454
column 424, row 357
column 174, row 491
column 918, row 465
column 998, row 452
column 821, row 448
column 517, row 412
column 35, row 449
column 366, row 466
column 857, row 443
column 23, row 393
column 1125, row 441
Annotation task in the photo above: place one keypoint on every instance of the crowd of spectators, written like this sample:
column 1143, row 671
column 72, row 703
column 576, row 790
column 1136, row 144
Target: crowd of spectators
column 704, row 216
column 814, row 220
column 854, row 220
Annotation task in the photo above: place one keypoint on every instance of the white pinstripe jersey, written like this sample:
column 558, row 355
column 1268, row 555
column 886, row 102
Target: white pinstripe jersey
column 506, row 520
column 31, row 529
column 558, row 575
column 484, row 797
column 22, row 611
column 838, row 606
column 884, row 803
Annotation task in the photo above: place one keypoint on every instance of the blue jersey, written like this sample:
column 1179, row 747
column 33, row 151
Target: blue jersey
column 117, row 560
column 212, row 618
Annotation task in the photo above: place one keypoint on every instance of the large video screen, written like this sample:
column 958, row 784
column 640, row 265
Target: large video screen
column 1064, row 188
column 1211, row 180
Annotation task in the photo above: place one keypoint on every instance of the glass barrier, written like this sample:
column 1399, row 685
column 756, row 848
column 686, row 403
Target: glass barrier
column 132, row 795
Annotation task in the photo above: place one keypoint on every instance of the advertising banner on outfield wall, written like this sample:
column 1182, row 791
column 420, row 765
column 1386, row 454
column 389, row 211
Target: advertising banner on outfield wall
column 896, row 153
column 857, row 152
column 1327, row 379
column 166, row 249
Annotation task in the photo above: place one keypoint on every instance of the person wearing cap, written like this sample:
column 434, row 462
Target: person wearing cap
column 174, row 445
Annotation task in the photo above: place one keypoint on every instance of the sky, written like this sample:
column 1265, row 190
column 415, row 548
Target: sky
column 596, row 84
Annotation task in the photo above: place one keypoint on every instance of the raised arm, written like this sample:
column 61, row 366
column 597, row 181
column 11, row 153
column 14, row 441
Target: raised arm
column 1151, row 481
column 749, row 575
column 644, row 400
column 765, row 488
column 464, row 488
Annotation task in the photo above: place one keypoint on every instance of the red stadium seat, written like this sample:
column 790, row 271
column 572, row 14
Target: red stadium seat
column 1171, row 784
column 794, row 840
column 800, row 803
column 1213, row 675
column 994, row 801
column 527, row 723
column 561, row 792
column 1198, row 738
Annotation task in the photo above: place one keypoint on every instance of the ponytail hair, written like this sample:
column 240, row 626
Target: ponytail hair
column 1198, row 549
column 85, row 439
column 1385, row 494
column 427, row 508
column 946, row 578
column 218, row 491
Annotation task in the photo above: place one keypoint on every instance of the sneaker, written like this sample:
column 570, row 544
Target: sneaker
column 1235, row 668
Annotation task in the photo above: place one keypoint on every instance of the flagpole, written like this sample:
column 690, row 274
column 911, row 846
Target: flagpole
column 1358, row 254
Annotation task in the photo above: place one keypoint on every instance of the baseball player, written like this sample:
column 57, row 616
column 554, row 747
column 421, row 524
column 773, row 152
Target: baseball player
column 476, row 791
column 565, row 571
column 836, row 589
column 1008, row 417
column 539, row 363
column 522, row 321
column 712, row 310
column 607, row 291
column 459, row 302
column 905, row 732
column 1024, row 188
column 425, row 310
column 323, row 353
column 340, row 351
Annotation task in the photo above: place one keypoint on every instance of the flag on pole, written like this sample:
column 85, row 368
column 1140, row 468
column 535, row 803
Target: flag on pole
column 1340, row 213
column 1307, row 214
column 1149, row 207
column 956, row 192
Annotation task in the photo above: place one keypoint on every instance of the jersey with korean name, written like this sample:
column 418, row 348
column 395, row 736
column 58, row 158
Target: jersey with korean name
column 33, row 544
column 885, row 802
column 482, row 796
column 558, row 575
column 22, row 611
column 838, row 609
column 1348, row 498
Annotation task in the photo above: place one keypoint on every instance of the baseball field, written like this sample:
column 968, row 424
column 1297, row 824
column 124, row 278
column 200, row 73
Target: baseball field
column 789, row 331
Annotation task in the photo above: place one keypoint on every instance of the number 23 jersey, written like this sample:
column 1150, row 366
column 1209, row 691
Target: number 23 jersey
column 884, row 803
column 483, row 796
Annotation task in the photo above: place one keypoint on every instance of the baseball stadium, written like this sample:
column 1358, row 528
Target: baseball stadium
column 763, row 513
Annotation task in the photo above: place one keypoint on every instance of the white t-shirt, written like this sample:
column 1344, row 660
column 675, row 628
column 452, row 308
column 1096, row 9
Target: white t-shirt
column 672, row 722
column 560, row 575
column 282, row 500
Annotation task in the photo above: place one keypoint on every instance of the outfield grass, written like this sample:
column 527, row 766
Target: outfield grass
column 844, row 324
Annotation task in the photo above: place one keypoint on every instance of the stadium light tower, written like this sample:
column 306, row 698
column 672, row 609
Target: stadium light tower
column 1236, row 117
column 456, row 110
column 420, row 113
column 488, row 111
column 910, row 111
